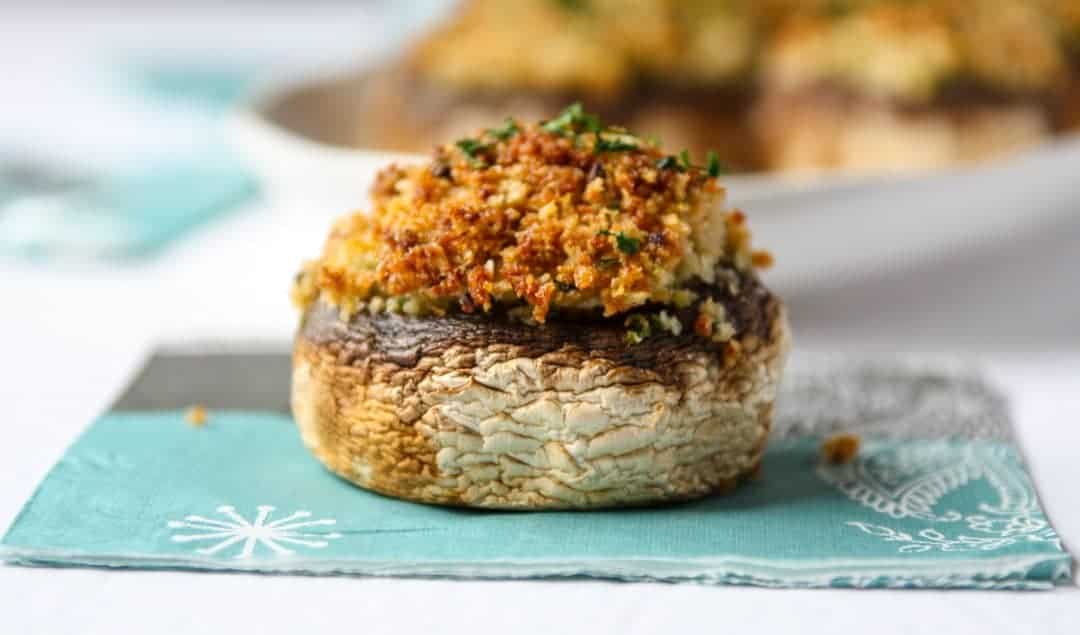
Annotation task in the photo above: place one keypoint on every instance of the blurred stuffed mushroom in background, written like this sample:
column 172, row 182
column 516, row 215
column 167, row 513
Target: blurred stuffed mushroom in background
column 771, row 85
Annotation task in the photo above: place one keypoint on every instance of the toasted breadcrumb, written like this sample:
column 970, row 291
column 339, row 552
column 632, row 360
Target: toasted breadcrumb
column 596, row 47
column 915, row 51
column 911, row 50
column 762, row 259
column 196, row 415
column 840, row 448
column 712, row 322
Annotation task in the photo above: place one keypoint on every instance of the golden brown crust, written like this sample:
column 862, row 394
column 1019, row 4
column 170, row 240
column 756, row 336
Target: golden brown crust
column 915, row 52
column 606, row 48
column 590, row 48
column 567, row 214
column 518, row 423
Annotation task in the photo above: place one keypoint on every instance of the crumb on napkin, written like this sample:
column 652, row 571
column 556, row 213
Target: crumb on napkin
column 840, row 448
column 196, row 415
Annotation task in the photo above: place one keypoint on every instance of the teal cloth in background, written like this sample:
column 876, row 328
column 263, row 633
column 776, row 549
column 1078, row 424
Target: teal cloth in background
column 148, row 490
column 215, row 84
column 134, row 211
column 123, row 216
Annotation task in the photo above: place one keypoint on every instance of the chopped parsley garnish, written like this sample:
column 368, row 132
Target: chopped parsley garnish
column 573, row 120
column 473, row 148
column 565, row 287
column 670, row 163
column 505, row 131
column 713, row 166
column 626, row 244
column 573, row 5
column 837, row 8
column 616, row 144
column 638, row 328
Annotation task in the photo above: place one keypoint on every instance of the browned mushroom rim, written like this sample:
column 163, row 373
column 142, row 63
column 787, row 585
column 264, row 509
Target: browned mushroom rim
column 749, row 309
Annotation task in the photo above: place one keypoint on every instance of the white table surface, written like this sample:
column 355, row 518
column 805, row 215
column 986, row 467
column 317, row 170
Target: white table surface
column 70, row 335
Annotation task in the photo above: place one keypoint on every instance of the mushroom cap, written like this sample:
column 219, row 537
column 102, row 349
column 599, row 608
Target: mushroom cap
column 482, row 411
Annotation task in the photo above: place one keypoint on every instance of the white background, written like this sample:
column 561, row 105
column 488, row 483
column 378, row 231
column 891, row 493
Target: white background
column 70, row 335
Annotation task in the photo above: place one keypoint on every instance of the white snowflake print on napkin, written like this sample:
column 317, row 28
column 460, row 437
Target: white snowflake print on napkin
column 272, row 534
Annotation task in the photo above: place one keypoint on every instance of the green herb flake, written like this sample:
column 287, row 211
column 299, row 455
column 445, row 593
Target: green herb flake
column 615, row 140
column 638, row 329
column 613, row 145
column 472, row 147
column 573, row 120
column 565, row 287
column 591, row 123
column 505, row 131
column 684, row 160
column 837, row 8
column 626, row 244
column 573, row 5
column 713, row 166
column 669, row 163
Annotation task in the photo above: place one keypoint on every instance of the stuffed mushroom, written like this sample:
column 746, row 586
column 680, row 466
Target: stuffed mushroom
column 543, row 316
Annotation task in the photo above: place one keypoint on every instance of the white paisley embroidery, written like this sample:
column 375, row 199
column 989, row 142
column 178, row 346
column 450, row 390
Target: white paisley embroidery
column 908, row 480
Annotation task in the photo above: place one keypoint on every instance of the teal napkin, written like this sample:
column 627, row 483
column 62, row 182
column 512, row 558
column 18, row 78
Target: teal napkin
column 144, row 489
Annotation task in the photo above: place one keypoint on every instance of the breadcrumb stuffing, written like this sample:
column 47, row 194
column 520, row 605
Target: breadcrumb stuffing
column 196, row 415
column 892, row 49
column 597, row 47
column 915, row 51
column 669, row 323
column 712, row 322
column 565, row 214
column 841, row 448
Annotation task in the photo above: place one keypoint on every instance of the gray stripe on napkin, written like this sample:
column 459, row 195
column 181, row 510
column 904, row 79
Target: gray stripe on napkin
column 224, row 381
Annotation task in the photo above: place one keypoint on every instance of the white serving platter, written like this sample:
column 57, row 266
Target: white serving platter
column 825, row 230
